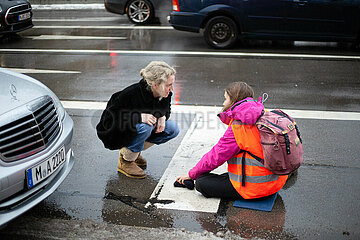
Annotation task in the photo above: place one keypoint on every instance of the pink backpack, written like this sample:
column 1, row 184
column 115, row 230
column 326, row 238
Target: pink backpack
column 281, row 142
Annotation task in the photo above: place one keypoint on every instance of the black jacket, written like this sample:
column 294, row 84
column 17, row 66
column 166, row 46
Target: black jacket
column 117, row 126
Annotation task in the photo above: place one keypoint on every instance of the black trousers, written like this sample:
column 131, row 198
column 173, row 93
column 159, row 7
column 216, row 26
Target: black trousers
column 218, row 186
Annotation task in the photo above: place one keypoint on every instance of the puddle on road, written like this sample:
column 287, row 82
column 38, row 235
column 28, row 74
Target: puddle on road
column 246, row 223
column 127, row 206
column 117, row 199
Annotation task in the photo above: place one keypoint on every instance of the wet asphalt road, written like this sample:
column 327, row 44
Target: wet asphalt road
column 321, row 202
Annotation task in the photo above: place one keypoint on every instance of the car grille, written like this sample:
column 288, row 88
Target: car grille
column 30, row 132
column 12, row 14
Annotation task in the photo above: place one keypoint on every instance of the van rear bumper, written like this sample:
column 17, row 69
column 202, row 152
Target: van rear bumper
column 185, row 21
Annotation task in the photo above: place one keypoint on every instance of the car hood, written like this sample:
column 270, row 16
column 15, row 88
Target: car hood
column 17, row 89
column 7, row 4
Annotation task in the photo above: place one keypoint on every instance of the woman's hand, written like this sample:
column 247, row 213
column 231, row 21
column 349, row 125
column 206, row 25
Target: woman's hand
column 148, row 118
column 160, row 127
column 183, row 178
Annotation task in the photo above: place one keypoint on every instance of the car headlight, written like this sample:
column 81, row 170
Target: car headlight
column 59, row 107
column 0, row 12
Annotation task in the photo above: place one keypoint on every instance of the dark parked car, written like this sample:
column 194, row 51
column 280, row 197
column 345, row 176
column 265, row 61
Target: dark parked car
column 139, row 11
column 15, row 16
column 225, row 21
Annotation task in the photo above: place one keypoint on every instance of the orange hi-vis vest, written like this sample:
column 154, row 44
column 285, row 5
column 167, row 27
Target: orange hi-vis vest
column 252, row 180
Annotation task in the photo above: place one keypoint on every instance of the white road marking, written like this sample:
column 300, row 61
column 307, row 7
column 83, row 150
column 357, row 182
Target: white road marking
column 192, row 109
column 84, row 19
column 315, row 44
column 84, row 105
column 197, row 141
column 31, row 70
column 105, row 27
column 70, row 37
column 68, row 6
column 204, row 132
column 184, row 53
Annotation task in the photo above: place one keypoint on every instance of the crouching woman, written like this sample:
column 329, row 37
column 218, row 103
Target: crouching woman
column 138, row 117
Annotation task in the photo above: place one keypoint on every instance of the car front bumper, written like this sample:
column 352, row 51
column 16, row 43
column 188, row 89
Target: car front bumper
column 114, row 7
column 6, row 29
column 25, row 199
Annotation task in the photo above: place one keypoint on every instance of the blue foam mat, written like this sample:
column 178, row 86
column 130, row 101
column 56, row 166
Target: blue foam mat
column 261, row 204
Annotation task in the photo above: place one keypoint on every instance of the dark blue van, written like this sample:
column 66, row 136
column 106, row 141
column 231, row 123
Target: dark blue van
column 224, row 21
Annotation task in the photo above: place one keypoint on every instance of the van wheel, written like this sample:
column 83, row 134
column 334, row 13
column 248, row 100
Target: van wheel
column 140, row 11
column 221, row 32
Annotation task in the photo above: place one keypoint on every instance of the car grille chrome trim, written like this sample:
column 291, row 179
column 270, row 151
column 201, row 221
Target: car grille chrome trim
column 11, row 16
column 18, row 133
column 18, row 141
column 37, row 128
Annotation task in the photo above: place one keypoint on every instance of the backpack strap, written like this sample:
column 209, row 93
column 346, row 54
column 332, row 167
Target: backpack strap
column 298, row 133
column 248, row 100
column 262, row 114
column 254, row 156
column 287, row 143
column 282, row 114
column 243, row 174
column 286, row 116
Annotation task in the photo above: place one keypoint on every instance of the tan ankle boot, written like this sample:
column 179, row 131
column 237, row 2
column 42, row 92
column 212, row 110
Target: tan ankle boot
column 141, row 161
column 127, row 165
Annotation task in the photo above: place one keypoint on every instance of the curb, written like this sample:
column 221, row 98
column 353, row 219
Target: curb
column 87, row 229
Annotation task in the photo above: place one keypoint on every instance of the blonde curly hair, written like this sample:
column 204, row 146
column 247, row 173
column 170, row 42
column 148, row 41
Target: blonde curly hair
column 157, row 72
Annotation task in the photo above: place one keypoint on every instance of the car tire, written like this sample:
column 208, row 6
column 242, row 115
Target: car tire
column 140, row 11
column 221, row 32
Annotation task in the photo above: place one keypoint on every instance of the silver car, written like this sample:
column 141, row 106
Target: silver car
column 35, row 143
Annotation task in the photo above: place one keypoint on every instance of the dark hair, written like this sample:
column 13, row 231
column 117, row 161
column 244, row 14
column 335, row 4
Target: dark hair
column 238, row 91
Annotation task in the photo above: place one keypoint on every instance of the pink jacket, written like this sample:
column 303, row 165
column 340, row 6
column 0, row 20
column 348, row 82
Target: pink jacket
column 247, row 111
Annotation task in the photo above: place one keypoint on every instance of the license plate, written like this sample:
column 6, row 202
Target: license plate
column 43, row 170
column 24, row 16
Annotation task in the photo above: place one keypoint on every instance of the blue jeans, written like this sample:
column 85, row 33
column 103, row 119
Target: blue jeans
column 145, row 132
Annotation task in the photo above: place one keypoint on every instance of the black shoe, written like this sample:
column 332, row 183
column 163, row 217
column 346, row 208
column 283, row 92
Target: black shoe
column 189, row 184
